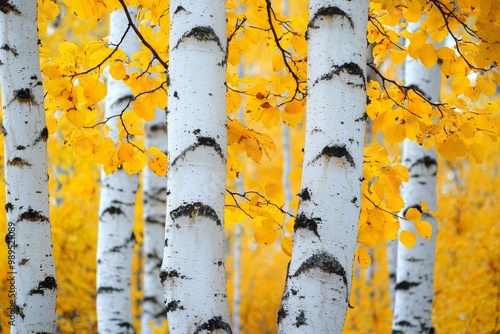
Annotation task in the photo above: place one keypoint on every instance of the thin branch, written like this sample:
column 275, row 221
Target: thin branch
column 139, row 35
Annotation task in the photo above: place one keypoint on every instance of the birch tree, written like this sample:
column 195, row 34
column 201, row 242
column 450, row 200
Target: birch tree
column 316, row 294
column 31, row 263
column 192, row 272
column 154, row 203
column 414, row 288
column 115, row 243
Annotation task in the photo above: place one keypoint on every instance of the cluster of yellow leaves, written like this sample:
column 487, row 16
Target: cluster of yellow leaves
column 381, row 198
column 423, row 228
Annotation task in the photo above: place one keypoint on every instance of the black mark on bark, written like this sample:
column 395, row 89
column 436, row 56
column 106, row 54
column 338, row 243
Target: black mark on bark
column 49, row 283
column 108, row 289
column 282, row 313
column 427, row 161
column 362, row 118
column 213, row 324
column 337, row 151
column 113, row 210
column 24, row 95
column 18, row 162
column 301, row 319
column 127, row 325
column 6, row 7
column 202, row 34
column 179, row 9
column 44, row 135
column 327, row 263
column 304, row 195
column 33, row 216
column 174, row 305
column 349, row 68
column 9, row 207
column 405, row 285
column 201, row 141
column 329, row 11
column 195, row 209
column 310, row 224
column 8, row 48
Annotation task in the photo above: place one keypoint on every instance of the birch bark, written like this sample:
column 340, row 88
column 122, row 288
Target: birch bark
column 192, row 272
column 154, row 204
column 414, row 288
column 316, row 294
column 115, row 242
column 33, row 284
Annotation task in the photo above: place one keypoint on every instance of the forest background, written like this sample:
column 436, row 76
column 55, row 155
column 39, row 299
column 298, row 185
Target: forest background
column 261, row 74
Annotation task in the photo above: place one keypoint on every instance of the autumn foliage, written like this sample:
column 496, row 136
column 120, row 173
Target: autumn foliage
column 266, row 88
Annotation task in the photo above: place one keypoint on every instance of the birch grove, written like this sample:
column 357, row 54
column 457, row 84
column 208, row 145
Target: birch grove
column 31, row 271
column 115, row 243
column 316, row 294
column 192, row 272
column 249, row 186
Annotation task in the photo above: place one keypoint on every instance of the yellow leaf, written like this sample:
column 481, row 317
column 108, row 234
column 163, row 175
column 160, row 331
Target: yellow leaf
column 424, row 229
column 233, row 101
column 252, row 148
column 486, row 85
column 104, row 151
column 395, row 133
column 413, row 214
column 265, row 235
column 408, row 238
column 277, row 62
column 117, row 71
column 424, row 206
column 272, row 189
column 428, row 55
column 394, row 202
column 67, row 48
column 363, row 257
column 144, row 108
column 391, row 229
column 126, row 152
column 76, row 117
column 94, row 90
column 286, row 245
column 49, row 10
column 83, row 145
column 158, row 163
column 290, row 224
column 460, row 83
column 398, row 56
column 136, row 164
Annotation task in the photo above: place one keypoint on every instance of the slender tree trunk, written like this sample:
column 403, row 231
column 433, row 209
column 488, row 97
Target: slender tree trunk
column 192, row 272
column 32, row 279
column 316, row 294
column 154, row 203
column 415, row 267
column 115, row 242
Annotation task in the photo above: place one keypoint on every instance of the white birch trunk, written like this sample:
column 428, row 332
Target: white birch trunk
column 115, row 242
column 192, row 272
column 316, row 294
column 414, row 288
column 154, row 206
column 32, row 282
